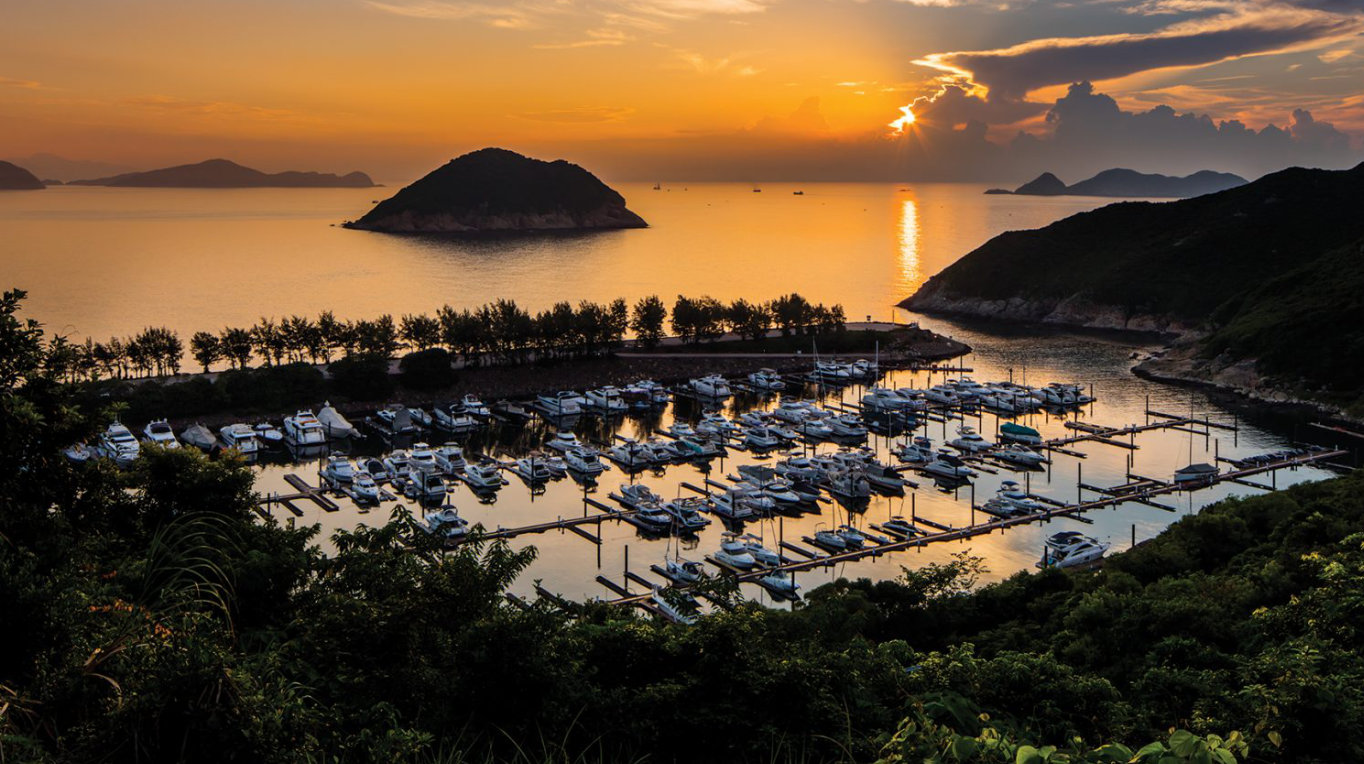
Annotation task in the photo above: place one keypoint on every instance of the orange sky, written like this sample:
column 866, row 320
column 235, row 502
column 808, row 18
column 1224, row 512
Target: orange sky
column 394, row 86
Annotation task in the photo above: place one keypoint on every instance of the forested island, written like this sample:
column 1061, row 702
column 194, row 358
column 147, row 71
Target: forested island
column 1260, row 282
column 15, row 178
column 163, row 621
column 495, row 190
column 224, row 173
column 1121, row 182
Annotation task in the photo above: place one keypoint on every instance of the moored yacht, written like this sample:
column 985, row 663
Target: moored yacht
column 483, row 475
column 1021, row 455
column 475, row 407
column 761, row 554
column 766, row 380
column 584, row 460
column 200, row 437
column 562, row 404
column 158, row 433
column 268, row 435
column 117, row 443
column 454, row 418
column 450, row 459
column 363, row 487
column 712, row 386
column 607, row 400
column 398, row 464
column 335, row 425
column 1018, row 433
column 564, row 440
column 1069, row 548
column 686, row 513
column 948, row 466
column 917, row 451
column 241, row 437
column 445, row 524
column 303, row 429
column 734, row 553
column 532, row 469
column 970, row 441
column 1195, row 474
column 338, row 469
column 422, row 458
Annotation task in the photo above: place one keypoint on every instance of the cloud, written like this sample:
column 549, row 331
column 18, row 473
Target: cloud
column 1245, row 29
column 10, row 82
column 700, row 63
column 206, row 108
column 807, row 119
column 526, row 14
column 580, row 114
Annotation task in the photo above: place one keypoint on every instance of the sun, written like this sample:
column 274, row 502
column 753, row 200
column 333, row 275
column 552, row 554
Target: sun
column 902, row 124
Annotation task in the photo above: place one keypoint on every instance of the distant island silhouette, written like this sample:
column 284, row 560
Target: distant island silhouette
column 224, row 173
column 15, row 178
column 1121, row 182
column 495, row 189
column 1262, row 282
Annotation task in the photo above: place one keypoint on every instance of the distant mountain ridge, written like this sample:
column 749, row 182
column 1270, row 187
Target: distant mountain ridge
column 499, row 190
column 45, row 165
column 15, row 178
column 1262, row 281
column 1120, row 182
column 224, row 173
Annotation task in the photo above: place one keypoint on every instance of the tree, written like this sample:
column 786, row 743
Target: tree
column 206, row 349
column 646, row 320
column 420, row 331
column 328, row 337
column 236, row 345
column 748, row 320
column 790, row 312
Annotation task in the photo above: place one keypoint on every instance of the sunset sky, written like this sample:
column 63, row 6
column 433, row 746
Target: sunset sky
column 726, row 89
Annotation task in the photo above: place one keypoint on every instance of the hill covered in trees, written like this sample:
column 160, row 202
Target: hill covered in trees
column 1130, row 183
column 149, row 616
column 15, row 178
column 498, row 190
column 1260, row 274
column 224, row 173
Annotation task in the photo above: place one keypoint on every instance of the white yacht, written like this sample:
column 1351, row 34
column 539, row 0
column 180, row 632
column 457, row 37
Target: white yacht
column 564, row 440
column 303, row 429
column 681, row 430
column 684, row 572
column 1070, row 548
column 269, row 435
column 653, row 517
column 831, row 539
column 815, row 429
column 832, row 371
column 948, row 466
column 398, row 463
column 734, row 553
column 335, row 425
column 761, row 554
column 854, row 538
column 711, row 386
column 453, row 417
column 426, row 487
column 761, row 438
column 565, row 403
column 1021, row 455
column 766, row 380
column 200, row 437
column 645, row 393
column 780, row 583
column 450, row 458
column 158, row 432
column 970, row 441
column 884, row 477
column 899, row 527
column 419, row 416
column 917, row 451
column 942, row 394
column 733, row 505
column 668, row 610
column 1195, row 474
column 584, row 460
column 715, row 423
column 376, row 468
column 880, row 400
column 483, row 476
column 338, row 469
column 1012, row 493
column 396, row 419
column 636, row 495
column 607, row 400
column 632, row 455
column 445, row 524
column 117, row 443
column 531, row 469
column 1018, row 433
column 422, row 458
column 687, row 513
column 241, row 437
column 363, row 487
column 475, row 407
column 847, row 426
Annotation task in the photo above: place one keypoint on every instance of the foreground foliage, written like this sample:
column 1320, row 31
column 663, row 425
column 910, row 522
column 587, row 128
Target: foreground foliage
column 149, row 616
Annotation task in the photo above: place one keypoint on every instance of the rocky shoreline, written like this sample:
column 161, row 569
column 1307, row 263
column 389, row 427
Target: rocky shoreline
column 1072, row 311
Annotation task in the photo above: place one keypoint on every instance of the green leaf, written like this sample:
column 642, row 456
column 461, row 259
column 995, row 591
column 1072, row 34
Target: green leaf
column 1275, row 738
column 1223, row 756
column 1184, row 743
column 1026, row 754
column 964, row 748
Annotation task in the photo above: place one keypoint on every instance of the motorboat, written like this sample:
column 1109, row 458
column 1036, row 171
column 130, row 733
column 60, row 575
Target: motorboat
column 831, row 539
column 848, row 484
column 398, row 463
column 475, row 407
column 563, row 440
column 943, row 395
column 632, row 455
column 241, row 437
column 269, row 435
column 584, row 460
column 761, row 438
column 450, row 458
column 846, row 427
column 158, row 432
column 564, row 403
column 854, row 538
column 645, row 393
column 970, row 441
column 696, row 447
column 483, row 475
column 1017, row 433
column 78, row 453
column 668, row 610
column 711, row 386
column 1070, row 548
column 716, row 424
column 419, row 416
column 510, row 412
column 1195, row 474
column 454, row 418
column 303, row 429
column 532, row 469
column 363, row 487
column 814, row 429
column 900, row 527
column 376, row 468
column 734, row 553
column 948, row 466
column 766, row 380
column 801, row 468
column 396, row 419
column 445, row 524
column 832, row 371
column 335, row 425
column 884, row 478
column 1021, row 455
column 880, row 400
column 426, row 487
column 917, row 451
column 863, row 368
column 607, row 400
column 1058, row 394
column 761, row 554
column 1012, row 493
column 635, row 495
column 338, row 469
column 733, row 505
column 686, row 513
column 781, row 583
column 681, row 430
column 200, row 437
column 422, row 458
column 651, row 516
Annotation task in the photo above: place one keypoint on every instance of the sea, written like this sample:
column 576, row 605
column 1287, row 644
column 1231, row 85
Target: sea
column 104, row 262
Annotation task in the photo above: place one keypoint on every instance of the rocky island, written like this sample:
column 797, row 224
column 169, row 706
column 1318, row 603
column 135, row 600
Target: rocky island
column 495, row 190
column 1259, row 283
column 1120, row 182
column 224, row 173
column 15, row 178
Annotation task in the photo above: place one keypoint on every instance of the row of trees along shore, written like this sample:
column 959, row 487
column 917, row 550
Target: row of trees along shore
column 498, row 332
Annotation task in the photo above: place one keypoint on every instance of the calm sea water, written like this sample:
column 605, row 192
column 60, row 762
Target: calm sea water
column 101, row 262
